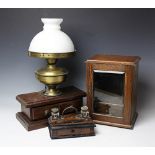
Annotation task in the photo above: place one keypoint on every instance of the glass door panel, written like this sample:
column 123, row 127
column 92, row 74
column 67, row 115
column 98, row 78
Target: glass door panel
column 108, row 89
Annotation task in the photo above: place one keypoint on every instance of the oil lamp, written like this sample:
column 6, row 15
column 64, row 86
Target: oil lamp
column 51, row 44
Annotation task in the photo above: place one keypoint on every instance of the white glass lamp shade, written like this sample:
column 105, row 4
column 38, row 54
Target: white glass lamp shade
column 51, row 39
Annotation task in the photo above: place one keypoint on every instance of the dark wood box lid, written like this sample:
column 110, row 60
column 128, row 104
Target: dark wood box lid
column 70, row 121
column 36, row 99
column 128, row 60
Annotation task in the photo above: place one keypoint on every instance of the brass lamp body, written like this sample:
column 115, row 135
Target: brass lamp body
column 51, row 75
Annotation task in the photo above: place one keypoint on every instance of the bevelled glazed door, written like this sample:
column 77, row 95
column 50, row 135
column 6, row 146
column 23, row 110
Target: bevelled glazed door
column 108, row 99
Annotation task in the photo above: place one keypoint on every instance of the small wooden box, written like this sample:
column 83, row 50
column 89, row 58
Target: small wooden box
column 112, row 89
column 71, row 126
column 35, row 107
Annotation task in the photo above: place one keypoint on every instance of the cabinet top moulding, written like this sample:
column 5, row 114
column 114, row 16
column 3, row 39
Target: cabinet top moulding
column 114, row 59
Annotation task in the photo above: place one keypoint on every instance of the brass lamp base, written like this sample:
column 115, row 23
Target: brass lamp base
column 51, row 75
column 52, row 91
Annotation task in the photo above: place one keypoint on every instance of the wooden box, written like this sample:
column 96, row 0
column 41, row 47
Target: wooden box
column 36, row 108
column 71, row 126
column 112, row 89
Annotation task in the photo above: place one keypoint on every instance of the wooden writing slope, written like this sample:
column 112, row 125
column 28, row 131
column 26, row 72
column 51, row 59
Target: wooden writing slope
column 36, row 108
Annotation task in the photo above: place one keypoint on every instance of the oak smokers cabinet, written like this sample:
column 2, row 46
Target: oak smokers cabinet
column 112, row 89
